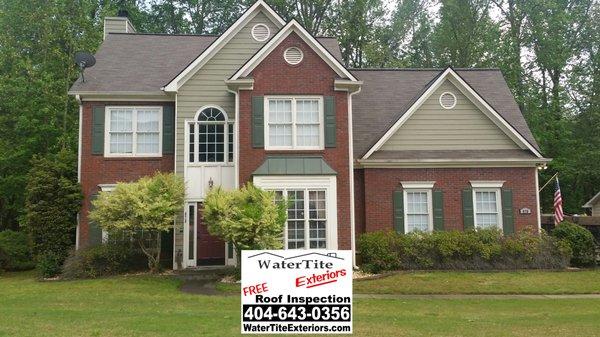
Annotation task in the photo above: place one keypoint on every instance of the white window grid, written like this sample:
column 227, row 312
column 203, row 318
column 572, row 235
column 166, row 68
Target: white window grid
column 487, row 208
column 218, row 145
column 306, row 225
column 418, row 210
column 134, row 135
column 294, row 124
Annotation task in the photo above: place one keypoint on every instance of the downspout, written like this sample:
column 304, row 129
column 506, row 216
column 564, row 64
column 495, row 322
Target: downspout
column 79, row 151
column 351, row 157
column 236, row 152
column 537, row 199
column 175, row 253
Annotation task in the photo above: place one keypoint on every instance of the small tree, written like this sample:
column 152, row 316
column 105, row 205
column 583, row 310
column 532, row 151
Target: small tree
column 150, row 204
column 248, row 218
column 53, row 198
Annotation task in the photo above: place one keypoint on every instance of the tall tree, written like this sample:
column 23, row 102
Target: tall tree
column 311, row 14
column 465, row 35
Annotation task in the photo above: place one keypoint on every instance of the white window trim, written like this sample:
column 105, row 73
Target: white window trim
column 326, row 183
column 487, row 184
column 498, row 204
column 418, row 184
column 427, row 190
column 321, row 145
column 134, row 153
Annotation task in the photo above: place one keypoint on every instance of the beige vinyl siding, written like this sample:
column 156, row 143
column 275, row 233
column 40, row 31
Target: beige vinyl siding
column 596, row 209
column 207, row 87
column 115, row 25
column 465, row 127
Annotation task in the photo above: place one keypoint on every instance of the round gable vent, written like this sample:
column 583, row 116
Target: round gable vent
column 293, row 55
column 448, row 100
column 260, row 32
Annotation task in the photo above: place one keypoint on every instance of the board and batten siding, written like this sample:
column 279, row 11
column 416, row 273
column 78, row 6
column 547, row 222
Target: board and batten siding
column 465, row 127
column 207, row 86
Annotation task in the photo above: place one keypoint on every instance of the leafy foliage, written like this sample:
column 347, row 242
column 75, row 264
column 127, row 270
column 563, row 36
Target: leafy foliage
column 249, row 218
column 17, row 251
column 102, row 260
column 471, row 250
column 581, row 242
column 53, row 199
column 150, row 204
column 49, row 264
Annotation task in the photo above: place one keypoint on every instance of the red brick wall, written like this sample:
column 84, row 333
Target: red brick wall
column 380, row 184
column 311, row 77
column 96, row 169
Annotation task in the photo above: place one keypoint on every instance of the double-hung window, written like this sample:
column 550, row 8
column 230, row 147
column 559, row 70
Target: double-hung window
column 418, row 210
column 294, row 123
column 487, row 204
column 133, row 131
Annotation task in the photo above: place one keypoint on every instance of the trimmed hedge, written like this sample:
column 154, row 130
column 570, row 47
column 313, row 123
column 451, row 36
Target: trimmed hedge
column 103, row 260
column 17, row 251
column 581, row 242
column 454, row 250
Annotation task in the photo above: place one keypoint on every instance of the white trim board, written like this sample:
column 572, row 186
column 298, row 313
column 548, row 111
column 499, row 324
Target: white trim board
column 465, row 88
column 293, row 26
column 205, row 56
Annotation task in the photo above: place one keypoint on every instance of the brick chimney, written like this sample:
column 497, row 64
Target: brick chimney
column 118, row 24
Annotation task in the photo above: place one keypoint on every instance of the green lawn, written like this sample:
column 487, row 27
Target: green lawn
column 521, row 282
column 153, row 306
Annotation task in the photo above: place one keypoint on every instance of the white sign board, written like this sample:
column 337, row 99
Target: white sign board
column 296, row 292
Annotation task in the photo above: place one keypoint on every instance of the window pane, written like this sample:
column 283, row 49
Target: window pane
column 307, row 111
column 487, row 209
column 121, row 120
column 318, row 220
column 280, row 135
column 211, row 146
column 230, row 143
column 308, row 135
column 121, row 143
column 192, row 145
column 148, row 142
column 280, row 111
column 147, row 120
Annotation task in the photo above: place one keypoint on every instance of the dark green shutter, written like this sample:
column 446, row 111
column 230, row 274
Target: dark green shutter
column 467, row 201
column 398, row 199
column 168, row 130
column 508, row 218
column 98, row 130
column 95, row 232
column 438, row 210
column 330, row 122
column 258, row 121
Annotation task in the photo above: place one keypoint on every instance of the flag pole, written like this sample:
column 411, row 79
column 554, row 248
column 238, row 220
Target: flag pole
column 548, row 182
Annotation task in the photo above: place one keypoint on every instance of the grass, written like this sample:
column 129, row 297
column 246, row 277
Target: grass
column 519, row 282
column 153, row 306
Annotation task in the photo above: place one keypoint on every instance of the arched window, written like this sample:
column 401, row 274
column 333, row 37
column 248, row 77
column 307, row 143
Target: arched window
column 211, row 137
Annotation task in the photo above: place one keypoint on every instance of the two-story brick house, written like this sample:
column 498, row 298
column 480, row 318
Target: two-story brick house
column 357, row 150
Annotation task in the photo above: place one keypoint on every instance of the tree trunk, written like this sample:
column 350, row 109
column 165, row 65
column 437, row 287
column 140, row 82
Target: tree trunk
column 153, row 257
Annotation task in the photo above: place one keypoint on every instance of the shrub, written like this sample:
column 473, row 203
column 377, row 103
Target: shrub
column 17, row 250
column 3, row 260
column 470, row 250
column 52, row 200
column 49, row 264
column 103, row 260
column 581, row 242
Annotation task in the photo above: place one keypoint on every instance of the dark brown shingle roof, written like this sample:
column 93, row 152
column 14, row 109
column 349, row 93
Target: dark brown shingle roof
column 147, row 62
column 387, row 94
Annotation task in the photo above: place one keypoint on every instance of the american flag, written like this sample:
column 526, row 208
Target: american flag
column 559, row 216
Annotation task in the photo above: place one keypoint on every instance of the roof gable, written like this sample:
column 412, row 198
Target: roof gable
column 592, row 201
column 260, row 6
column 463, row 127
column 449, row 74
column 293, row 27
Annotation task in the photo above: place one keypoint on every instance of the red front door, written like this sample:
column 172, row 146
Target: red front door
column 211, row 250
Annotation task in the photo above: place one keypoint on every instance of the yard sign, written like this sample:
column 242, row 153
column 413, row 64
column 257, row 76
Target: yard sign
column 296, row 292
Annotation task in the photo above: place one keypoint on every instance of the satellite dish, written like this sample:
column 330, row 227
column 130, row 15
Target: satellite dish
column 84, row 60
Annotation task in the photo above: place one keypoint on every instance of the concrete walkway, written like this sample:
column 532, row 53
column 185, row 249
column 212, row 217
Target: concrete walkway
column 476, row 297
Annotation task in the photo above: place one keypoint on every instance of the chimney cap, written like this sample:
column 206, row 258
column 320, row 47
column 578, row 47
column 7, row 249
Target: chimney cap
column 123, row 13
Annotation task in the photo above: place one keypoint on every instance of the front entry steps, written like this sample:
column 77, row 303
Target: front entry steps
column 209, row 273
